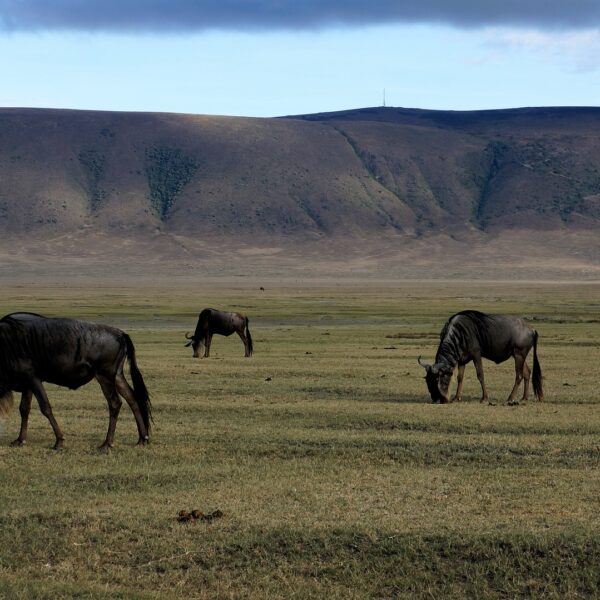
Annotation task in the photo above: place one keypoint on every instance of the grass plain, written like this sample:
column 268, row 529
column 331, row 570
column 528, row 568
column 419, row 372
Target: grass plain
column 336, row 476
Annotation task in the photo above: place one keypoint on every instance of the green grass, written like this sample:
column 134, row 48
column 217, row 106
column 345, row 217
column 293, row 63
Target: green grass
column 337, row 477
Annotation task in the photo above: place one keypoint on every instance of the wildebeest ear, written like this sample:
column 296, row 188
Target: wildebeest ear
column 188, row 344
column 435, row 369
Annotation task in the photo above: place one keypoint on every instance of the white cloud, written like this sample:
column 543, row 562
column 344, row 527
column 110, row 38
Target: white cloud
column 577, row 51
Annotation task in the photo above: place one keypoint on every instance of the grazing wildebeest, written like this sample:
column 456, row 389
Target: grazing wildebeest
column 211, row 321
column 472, row 335
column 70, row 353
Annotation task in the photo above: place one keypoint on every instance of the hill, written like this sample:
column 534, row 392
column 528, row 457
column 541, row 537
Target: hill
column 359, row 182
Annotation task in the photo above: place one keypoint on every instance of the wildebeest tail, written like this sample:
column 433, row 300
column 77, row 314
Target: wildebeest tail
column 6, row 403
column 249, row 338
column 537, row 371
column 140, row 392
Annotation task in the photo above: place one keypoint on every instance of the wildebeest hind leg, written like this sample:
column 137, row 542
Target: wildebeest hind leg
column 526, row 377
column 519, row 362
column 24, row 409
column 125, row 390
column 109, row 390
column 42, row 398
column 243, row 338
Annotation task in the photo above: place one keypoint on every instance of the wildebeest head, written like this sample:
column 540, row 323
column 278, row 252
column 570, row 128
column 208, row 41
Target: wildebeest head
column 438, row 378
column 195, row 343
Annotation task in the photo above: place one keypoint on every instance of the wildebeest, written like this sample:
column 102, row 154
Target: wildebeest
column 69, row 353
column 472, row 335
column 211, row 321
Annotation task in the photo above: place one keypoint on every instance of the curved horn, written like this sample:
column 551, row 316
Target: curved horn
column 188, row 336
column 424, row 365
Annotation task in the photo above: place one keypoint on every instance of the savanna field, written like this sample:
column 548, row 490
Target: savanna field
column 335, row 474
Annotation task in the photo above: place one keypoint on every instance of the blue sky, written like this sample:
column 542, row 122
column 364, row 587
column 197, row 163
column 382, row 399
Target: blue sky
column 265, row 69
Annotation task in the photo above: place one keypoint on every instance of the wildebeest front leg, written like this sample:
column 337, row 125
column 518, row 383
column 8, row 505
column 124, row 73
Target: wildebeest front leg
column 42, row 398
column 519, row 362
column 207, row 343
column 459, row 384
column 479, row 370
column 125, row 390
column 109, row 390
column 24, row 409
column 244, row 339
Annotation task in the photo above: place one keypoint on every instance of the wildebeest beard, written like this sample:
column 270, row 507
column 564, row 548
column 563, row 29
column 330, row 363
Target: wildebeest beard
column 439, row 380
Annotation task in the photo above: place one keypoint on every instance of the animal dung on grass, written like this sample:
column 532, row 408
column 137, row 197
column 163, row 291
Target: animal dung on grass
column 183, row 516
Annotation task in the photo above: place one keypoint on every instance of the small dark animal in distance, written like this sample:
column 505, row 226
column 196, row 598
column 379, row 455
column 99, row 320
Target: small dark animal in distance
column 70, row 353
column 211, row 321
column 470, row 336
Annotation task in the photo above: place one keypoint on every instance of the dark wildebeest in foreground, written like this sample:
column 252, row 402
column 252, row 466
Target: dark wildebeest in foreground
column 70, row 353
column 472, row 335
column 211, row 321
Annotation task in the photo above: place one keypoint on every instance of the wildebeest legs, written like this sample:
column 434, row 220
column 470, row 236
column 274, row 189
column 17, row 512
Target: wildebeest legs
column 526, row 377
column 42, row 398
column 519, row 368
column 24, row 409
column 479, row 370
column 207, row 343
column 114, row 406
column 459, row 384
column 126, row 392
column 245, row 340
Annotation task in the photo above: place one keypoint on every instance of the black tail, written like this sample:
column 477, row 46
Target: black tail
column 537, row 371
column 6, row 403
column 140, row 391
column 249, row 338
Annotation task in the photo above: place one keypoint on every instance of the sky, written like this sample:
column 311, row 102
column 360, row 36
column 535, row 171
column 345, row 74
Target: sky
column 263, row 58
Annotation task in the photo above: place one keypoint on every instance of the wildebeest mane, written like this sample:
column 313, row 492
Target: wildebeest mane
column 13, row 346
column 456, row 333
column 19, row 339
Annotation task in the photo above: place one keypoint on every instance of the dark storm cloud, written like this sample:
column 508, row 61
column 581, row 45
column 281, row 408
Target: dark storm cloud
column 198, row 15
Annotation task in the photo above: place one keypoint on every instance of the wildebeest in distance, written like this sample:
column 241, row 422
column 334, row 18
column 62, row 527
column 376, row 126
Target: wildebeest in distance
column 69, row 353
column 211, row 321
column 470, row 336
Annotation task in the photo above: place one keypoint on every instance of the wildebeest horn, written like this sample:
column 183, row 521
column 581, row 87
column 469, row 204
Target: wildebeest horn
column 188, row 336
column 424, row 365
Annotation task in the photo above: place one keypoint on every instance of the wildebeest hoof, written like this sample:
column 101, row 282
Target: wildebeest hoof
column 60, row 444
column 105, row 448
column 143, row 442
column 491, row 404
column 17, row 443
